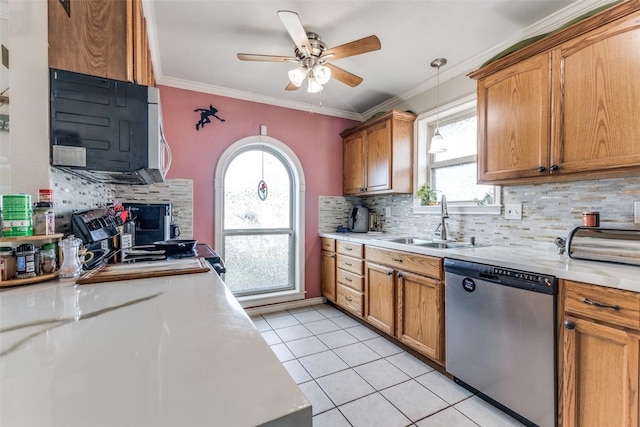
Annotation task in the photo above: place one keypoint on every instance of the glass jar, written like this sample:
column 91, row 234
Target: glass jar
column 48, row 258
column 25, row 261
column 7, row 263
column 43, row 218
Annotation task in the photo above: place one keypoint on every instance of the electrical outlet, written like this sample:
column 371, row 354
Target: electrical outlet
column 513, row 211
column 636, row 212
column 387, row 212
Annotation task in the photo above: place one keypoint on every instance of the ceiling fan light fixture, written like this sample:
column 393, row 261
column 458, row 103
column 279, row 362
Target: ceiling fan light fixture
column 314, row 86
column 297, row 75
column 322, row 73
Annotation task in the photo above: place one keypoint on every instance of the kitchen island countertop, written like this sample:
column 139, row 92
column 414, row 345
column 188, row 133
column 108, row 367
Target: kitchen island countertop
column 619, row 276
column 167, row 351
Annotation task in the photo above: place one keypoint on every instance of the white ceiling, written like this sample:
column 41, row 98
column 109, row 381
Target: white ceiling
column 194, row 44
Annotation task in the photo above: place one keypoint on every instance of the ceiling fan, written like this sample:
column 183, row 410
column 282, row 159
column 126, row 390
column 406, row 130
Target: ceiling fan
column 313, row 56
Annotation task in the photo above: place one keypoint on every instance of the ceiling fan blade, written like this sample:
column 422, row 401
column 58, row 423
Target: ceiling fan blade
column 344, row 76
column 291, row 86
column 357, row 47
column 292, row 23
column 267, row 58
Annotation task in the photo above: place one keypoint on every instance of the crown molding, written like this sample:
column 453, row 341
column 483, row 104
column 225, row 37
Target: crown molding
column 253, row 97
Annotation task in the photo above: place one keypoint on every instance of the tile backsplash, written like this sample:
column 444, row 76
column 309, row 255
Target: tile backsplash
column 72, row 193
column 548, row 211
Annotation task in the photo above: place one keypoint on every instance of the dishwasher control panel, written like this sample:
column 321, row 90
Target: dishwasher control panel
column 504, row 276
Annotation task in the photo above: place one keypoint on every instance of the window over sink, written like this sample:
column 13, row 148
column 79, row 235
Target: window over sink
column 453, row 172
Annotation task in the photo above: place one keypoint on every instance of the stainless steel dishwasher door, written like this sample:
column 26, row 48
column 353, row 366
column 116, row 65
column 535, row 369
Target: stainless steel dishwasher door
column 500, row 336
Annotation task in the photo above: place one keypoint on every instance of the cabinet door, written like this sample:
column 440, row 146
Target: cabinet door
column 598, row 102
column 600, row 375
column 514, row 121
column 328, row 272
column 379, row 295
column 421, row 314
column 93, row 40
column 378, row 155
column 353, row 175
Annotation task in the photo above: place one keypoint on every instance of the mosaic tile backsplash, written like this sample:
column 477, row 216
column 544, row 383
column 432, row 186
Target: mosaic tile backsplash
column 73, row 193
column 548, row 211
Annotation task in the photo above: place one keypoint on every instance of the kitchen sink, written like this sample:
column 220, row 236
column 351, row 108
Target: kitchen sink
column 426, row 243
column 407, row 240
column 444, row 245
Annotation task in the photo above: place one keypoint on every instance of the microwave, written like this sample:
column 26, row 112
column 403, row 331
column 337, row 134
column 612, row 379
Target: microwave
column 106, row 130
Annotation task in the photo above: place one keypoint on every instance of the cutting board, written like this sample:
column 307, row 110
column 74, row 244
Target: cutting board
column 142, row 270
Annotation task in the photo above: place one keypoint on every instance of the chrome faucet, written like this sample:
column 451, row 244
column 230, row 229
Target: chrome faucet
column 444, row 213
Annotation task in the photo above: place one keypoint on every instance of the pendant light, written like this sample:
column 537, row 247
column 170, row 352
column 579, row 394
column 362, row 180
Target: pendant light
column 437, row 141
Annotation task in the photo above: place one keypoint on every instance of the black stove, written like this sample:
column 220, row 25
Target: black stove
column 151, row 253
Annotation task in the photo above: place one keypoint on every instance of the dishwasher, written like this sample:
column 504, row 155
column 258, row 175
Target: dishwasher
column 501, row 337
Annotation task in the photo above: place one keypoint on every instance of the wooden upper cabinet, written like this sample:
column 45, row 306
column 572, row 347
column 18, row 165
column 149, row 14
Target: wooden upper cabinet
column 514, row 125
column 101, row 38
column 565, row 107
column 378, row 155
column 598, row 102
column 353, row 178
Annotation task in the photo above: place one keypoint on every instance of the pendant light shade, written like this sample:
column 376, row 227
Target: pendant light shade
column 438, row 143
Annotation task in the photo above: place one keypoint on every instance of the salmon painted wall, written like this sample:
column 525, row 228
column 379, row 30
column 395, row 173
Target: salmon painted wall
column 314, row 138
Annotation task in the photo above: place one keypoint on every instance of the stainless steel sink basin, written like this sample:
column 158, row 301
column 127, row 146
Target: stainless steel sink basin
column 444, row 245
column 406, row 240
column 426, row 243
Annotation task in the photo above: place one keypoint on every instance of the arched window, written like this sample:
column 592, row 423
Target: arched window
column 259, row 221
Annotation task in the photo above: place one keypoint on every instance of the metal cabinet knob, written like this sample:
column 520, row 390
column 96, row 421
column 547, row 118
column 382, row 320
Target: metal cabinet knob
column 569, row 324
column 541, row 169
column 554, row 168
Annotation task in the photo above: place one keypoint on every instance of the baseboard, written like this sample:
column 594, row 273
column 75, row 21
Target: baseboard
column 254, row 311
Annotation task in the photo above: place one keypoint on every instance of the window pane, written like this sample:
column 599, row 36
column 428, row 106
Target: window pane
column 243, row 209
column 257, row 263
column 457, row 182
column 460, row 139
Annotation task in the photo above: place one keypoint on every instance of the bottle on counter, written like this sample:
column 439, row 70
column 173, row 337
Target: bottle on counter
column 43, row 218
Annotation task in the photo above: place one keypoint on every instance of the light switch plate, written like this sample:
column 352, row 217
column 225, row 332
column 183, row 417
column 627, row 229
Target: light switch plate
column 636, row 212
column 387, row 212
column 513, row 210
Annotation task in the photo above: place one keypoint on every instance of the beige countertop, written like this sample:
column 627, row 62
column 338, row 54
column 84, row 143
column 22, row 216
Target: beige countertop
column 167, row 351
column 611, row 275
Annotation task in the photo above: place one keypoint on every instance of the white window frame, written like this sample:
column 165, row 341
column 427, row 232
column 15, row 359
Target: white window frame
column 299, row 188
column 423, row 129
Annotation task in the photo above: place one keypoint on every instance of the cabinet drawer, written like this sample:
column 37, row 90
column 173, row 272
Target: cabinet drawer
column 327, row 244
column 421, row 264
column 351, row 249
column 349, row 299
column 350, row 264
column 627, row 315
column 351, row 280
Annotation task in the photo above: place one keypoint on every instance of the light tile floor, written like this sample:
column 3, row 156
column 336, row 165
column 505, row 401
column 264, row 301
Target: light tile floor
column 354, row 377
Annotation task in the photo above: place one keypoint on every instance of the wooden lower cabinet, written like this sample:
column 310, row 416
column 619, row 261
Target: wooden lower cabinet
column 421, row 314
column 380, row 295
column 601, row 357
column 404, row 297
column 328, row 275
column 328, row 268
